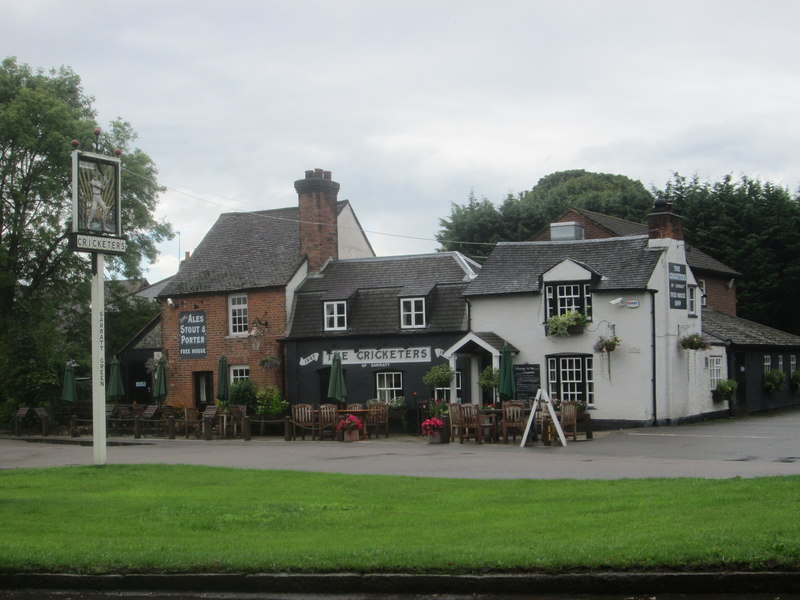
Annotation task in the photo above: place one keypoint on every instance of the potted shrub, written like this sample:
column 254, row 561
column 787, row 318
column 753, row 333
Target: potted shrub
column 270, row 402
column 243, row 393
column 569, row 323
column 773, row 381
column 607, row 343
column 694, row 341
column 725, row 390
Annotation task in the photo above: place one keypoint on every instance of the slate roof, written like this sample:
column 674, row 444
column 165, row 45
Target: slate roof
column 725, row 327
column 623, row 263
column 373, row 287
column 243, row 251
column 697, row 259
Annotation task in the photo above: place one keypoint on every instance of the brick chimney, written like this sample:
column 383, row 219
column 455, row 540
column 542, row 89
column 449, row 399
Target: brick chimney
column 663, row 223
column 319, row 239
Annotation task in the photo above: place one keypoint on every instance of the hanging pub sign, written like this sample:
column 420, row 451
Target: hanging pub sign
column 96, row 214
column 677, row 286
column 192, row 334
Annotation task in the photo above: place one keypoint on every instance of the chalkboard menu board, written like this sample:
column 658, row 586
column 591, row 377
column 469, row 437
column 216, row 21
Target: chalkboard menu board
column 529, row 380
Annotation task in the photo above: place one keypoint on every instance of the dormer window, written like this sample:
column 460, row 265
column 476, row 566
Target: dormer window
column 412, row 313
column 336, row 316
column 562, row 298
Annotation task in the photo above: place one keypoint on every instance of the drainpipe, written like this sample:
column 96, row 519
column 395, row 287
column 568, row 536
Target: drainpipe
column 653, row 353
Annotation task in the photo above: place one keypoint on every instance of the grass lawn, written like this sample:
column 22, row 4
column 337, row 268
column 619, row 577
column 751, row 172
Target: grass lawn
column 136, row 518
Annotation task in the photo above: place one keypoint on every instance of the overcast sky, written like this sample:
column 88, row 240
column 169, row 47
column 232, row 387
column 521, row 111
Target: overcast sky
column 414, row 104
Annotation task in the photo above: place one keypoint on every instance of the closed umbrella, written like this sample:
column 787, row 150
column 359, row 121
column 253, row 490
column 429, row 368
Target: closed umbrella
column 116, row 391
column 69, row 393
column 160, row 384
column 223, row 385
column 506, row 386
column 336, row 387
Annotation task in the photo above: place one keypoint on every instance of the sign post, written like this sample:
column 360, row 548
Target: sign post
column 97, row 228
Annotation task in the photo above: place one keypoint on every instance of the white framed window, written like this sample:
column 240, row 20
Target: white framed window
column 692, row 300
column 715, row 370
column 702, row 284
column 780, row 362
column 239, row 372
column 767, row 363
column 412, row 313
column 792, row 364
column 571, row 378
column 237, row 314
column 443, row 393
column 561, row 298
column 335, row 316
column 388, row 384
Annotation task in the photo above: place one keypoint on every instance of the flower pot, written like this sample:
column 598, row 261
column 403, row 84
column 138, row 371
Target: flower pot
column 350, row 435
column 435, row 438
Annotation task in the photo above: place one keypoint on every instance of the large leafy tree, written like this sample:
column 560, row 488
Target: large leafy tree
column 752, row 226
column 42, row 282
column 472, row 227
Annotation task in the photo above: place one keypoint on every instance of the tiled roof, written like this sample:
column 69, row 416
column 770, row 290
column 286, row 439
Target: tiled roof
column 697, row 259
column 515, row 267
column 725, row 327
column 372, row 288
column 243, row 251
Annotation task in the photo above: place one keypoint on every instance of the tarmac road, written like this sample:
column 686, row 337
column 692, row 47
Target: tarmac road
column 754, row 446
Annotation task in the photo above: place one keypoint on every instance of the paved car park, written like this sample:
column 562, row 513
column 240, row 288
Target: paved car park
column 753, row 446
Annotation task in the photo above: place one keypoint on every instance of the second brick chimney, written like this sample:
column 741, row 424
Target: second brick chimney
column 317, row 197
column 663, row 223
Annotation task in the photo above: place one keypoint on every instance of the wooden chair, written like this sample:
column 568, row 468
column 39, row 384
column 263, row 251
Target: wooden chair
column 377, row 417
column 454, row 412
column 471, row 424
column 328, row 420
column 303, row 418
column 513, row 419
column 355, row 406
column 208, row 419
column 235, row 419
column 569, row 418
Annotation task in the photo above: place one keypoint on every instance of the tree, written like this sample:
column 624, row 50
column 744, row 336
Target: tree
column 521, row 217
column 41, row 280
column 752, row 227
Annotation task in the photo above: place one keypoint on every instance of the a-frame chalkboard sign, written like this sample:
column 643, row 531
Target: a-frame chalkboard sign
column 552, row 412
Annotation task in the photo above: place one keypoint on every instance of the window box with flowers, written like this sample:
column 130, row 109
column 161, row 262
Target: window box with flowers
column 694, row 341
column 569, row 323
column 774, row 380
column 349, row 427
column 432, row 429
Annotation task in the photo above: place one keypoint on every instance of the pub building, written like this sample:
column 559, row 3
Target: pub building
column 390, row 319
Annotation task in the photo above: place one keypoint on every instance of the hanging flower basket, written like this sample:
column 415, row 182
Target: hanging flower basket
column 607, row 344
column 694, row 341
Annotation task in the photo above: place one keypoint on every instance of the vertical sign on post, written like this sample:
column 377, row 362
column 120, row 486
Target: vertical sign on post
column 677, row 286
column 97, row 228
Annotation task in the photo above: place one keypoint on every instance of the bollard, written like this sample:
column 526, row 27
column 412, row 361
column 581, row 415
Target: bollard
column 246, row 429
column 45, row 419
column 207, row 429
column 287, row 429
column 73, row 426
column 17, row 425
column 137, row 427
column 171, row 428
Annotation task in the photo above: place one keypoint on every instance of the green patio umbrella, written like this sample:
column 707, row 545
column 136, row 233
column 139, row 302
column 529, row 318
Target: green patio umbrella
column 506, row 386
column 69, row 393
column 160, row 382
column 116, row 391
column 223, row 384
column 336, row 387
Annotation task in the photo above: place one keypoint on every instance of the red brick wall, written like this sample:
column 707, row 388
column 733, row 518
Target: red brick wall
column 266, row 305
column 718, row 295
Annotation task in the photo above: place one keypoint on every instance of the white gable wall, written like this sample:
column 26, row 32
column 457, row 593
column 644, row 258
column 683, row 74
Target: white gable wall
column 352, row 241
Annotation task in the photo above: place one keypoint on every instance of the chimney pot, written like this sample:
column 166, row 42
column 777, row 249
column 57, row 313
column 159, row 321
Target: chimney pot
column 186, row 257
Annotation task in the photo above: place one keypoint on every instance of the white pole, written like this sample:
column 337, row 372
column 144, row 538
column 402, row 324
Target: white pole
column 98, row 359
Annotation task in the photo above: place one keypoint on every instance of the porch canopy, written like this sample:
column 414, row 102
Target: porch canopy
column 477, row 344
